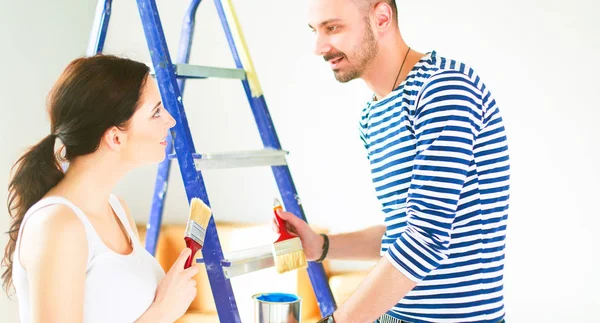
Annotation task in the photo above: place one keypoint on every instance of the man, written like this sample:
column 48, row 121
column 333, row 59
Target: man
column 438, row 153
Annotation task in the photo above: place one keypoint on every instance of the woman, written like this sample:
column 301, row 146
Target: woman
column 74, row 254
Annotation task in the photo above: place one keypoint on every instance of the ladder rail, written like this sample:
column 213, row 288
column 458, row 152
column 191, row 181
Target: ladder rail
column 163, row 171
column 193, row 181
column 270, row 139
column 183, row 56
column 186, row 38
column 99, row 27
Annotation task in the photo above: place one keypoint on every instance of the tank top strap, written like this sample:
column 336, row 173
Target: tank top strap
column 119, row 210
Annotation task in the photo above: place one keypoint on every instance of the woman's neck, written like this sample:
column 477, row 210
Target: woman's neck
column 89, row 181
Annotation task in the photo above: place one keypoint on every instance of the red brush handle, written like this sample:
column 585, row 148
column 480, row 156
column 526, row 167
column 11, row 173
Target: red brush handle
column 195, row 246
column 283, row 232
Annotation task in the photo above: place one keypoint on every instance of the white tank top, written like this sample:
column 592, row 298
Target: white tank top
column 118, row 288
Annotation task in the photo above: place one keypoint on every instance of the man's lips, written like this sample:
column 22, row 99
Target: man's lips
column 334, row 62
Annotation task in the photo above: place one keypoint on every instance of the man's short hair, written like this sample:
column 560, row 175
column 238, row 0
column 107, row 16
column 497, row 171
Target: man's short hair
column 369, row 4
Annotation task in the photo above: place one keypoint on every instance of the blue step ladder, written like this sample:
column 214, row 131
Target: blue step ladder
column 171, row 81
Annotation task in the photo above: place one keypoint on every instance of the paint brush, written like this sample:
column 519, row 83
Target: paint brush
column 195, row 230
column 287, row 249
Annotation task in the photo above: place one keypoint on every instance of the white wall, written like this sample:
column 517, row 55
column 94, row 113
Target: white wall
column 539, row 58
column 37, row 39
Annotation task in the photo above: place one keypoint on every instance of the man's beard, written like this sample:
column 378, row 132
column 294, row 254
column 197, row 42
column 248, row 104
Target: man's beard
column 363, row 54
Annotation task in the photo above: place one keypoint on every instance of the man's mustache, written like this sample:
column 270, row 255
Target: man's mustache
column 331, row 56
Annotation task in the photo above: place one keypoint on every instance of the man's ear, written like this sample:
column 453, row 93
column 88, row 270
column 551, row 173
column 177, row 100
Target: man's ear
column 114, row 138
column 384, row 16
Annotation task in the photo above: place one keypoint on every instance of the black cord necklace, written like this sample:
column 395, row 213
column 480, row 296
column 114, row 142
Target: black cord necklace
column 401, row 67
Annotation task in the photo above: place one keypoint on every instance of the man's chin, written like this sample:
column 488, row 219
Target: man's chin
column 345, row 77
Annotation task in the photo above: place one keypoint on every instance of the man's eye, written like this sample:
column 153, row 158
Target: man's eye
column 332, row 28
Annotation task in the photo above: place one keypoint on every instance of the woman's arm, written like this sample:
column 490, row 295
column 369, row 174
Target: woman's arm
column 54, row 252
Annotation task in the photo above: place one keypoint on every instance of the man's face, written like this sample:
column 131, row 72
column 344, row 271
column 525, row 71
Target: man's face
column 344, row 37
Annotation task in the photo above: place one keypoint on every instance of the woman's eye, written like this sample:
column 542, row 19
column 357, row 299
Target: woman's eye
column 332, row 28
column 157, row 114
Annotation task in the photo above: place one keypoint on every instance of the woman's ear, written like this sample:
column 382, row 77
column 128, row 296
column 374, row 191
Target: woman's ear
column 114, row 138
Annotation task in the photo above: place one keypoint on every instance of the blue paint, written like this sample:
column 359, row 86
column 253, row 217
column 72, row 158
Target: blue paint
column 278, row 298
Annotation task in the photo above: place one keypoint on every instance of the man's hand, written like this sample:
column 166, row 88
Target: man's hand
column 312, row 243
column 359, row 245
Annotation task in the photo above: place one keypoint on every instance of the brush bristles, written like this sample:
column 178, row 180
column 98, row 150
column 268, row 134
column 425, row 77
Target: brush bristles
column 198, row 220
column 289, row 255
column 200, row 212
column 290, row 261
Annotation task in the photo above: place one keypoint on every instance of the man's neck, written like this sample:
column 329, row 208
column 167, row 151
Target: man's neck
column 384, row 74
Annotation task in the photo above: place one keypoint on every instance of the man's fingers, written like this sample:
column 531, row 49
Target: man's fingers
column 274, row 226
column 290, row 228
column 293, row 223
column 289, row 217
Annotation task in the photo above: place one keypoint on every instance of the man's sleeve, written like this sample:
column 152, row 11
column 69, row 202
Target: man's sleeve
column 447, row 119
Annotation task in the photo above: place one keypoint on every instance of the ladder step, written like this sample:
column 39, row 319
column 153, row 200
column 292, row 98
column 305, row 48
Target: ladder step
column 189, row 71
column 198, row 71
column 246, row 261
column 251, row 158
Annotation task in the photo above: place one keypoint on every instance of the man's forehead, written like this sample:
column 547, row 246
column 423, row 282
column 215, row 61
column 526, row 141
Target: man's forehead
column 320, row 11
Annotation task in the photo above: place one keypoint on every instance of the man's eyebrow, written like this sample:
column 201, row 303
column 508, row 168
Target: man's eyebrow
column 328, row 21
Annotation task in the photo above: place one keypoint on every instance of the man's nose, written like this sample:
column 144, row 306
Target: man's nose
column 321, row 46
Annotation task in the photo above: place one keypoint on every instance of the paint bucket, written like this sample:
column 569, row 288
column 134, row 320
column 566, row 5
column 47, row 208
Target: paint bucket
column 276, row 308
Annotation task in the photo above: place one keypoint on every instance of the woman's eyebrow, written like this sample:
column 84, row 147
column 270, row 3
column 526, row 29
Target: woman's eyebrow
column 156, row 106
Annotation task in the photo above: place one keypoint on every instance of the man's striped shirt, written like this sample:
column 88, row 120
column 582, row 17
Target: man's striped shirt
column 440, row 167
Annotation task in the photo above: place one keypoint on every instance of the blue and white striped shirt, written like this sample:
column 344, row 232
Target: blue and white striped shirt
column 440, row 166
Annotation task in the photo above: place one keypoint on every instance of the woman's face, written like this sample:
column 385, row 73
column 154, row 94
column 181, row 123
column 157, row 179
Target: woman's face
column 148, row 128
